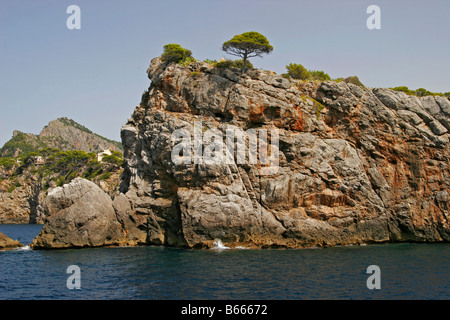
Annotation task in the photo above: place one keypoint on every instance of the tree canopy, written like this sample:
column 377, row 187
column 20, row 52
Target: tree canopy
column 247, row 45
column 297, row 71
column 421, row 92
column 175, row 53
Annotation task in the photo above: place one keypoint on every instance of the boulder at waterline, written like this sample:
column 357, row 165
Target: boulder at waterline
column 79, row 214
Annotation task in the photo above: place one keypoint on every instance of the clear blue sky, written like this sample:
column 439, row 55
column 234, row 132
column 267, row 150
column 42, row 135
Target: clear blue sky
column 96, row 75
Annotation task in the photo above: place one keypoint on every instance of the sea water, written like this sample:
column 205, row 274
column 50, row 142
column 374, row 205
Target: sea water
column 407, row 271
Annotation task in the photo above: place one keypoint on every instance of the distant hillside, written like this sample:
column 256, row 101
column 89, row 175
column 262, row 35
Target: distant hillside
column 64, row 134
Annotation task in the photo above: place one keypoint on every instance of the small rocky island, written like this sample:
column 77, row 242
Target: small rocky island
column 355, row 165
column 8, row 243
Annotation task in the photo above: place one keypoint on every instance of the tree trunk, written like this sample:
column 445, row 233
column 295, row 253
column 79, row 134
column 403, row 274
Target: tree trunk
column 244, row 68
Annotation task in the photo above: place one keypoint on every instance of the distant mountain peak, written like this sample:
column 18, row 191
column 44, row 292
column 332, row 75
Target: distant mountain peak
column 62, row 133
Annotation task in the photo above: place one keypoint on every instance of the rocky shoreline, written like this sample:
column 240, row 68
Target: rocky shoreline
column 355, row 166
column 6, row 243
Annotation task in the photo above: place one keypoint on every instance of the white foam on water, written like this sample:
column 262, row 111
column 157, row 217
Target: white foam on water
column 24, row 248
column 218, row 245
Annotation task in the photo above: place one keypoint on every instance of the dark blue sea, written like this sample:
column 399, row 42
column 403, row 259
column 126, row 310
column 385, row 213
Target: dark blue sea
column 407, row 271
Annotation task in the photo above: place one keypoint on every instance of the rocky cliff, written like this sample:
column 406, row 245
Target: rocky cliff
column 8, row 243
column 256, row 160
column 354, row 165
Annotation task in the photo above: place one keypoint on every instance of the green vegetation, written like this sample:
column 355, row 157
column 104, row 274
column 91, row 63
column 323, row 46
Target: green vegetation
column 195, row 74
column 113, row 159
column 247, row 45
column 238, row 64
column 68, row 165
column 186, row 62
column 105, row 176
column 254, row 44
column 118, row 154
column 211, row 62
column 21, row 143
column 7, row 163
column 61, row 166
column 319, row 75
column 421, row 92
column 62, row 161
column 299, row 72
column 175, row 53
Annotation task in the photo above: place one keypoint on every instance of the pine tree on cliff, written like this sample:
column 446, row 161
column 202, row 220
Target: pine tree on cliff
column 247, row 45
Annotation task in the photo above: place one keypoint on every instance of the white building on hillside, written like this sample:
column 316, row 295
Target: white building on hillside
column 38, row 160
column 102, row 154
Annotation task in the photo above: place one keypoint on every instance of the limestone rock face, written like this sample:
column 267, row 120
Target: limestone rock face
column 354, row 165
column 79, row 214
column 8, row 243
column 74, row 137
column 20, row 195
